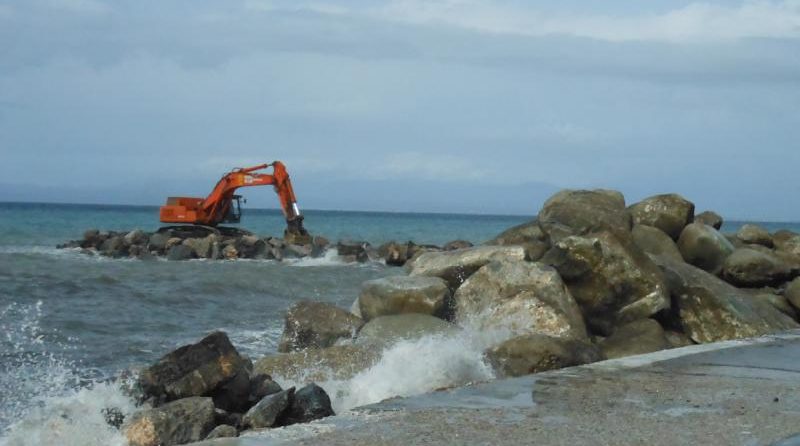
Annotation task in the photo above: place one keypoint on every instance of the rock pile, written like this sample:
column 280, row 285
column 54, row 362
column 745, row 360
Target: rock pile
column 207, row 390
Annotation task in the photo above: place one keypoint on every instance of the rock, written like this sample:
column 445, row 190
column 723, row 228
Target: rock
column 114, row 246
column 316, row 325
column 635, row 338
column 229, row 252
column 787, row 242
column 179, row 422
column 704, row 247
column 250, row 247
column 136, row 237
column 404, row 294
column 677, row 339
column 389, row 329
column 612, row 280
column 747, row 267
column 654, row 241
column 393, row 253
column 581, row 212
column 519, row 298
column 536, row 353
column 779, row 302
column 194, row 369
column 792, row 293
column 114, row 416
column 158, row 242
column 297, row 251
column 754, row 235
column 229, row 418
column 456, row 244
column 266, row 412
column 202, row 247
column 711, row 310
column 276, row 242
column 709, row 218
column 339, row 362
column 180, row 252
column 357, row 250
column 309, row 403
column 456, row 266
column 262, row 385
column 233, row 394
column 91, row 239
column 669, row 213
column 223, row 431
column 528, row 235
column 320, row 243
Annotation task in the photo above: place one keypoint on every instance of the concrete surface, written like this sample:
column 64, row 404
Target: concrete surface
column 730, row 393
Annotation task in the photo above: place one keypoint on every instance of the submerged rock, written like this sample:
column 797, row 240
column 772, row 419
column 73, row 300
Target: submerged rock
column 536, row 353
column 704, row 247
column 635, row 338
column 455, row 266
column 521, row 298
column 179, row 422
column 307, row 404
column 404, row 294
column 316, row 325
column 669, row 213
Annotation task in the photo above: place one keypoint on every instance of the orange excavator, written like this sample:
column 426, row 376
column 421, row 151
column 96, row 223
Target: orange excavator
column 223, row 206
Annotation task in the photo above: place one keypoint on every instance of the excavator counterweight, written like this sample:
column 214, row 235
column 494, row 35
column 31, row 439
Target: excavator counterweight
column 223, row 206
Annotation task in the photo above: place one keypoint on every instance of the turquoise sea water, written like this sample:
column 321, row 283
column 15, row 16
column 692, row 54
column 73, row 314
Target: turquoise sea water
column 69, row 320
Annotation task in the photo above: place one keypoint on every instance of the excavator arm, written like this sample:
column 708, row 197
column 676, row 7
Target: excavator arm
column 213, row 210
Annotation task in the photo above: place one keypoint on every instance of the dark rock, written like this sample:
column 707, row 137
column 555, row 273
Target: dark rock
column 308, row 404
column 536, row 353
column 320, row 242
column 582, row 212
column 654, row 241
column 456, row 266
column 114, row 246
column 158, row 242
column 711, row 310
column 180, row 252
column 358, row 250
column 393, row 253
column 194, row 369
column 612, row 280
column 635, row 338
column 520, row 298
column 456, row 244
column 669, row 213
column 266, row 412
column 113, row 416
column 179, row 422
column 233, row 394
column 709, row 218
column 704, row 247
column 229, row 418
column 748, row 267
column 92, row 239
column 316, row 325
column 223, row 431
column 754, row 235
column 262, row 385
column 404, row 294
column 792, row 293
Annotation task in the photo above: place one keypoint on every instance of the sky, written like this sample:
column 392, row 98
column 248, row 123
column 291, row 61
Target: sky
column 469, row 106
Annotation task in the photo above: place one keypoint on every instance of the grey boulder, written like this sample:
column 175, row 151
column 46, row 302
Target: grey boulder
column 704, row 247
column 669, row 213
column 654, row 241
column 316, row 325
column 404, row 294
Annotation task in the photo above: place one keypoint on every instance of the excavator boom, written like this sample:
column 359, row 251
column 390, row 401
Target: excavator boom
column 222, row 205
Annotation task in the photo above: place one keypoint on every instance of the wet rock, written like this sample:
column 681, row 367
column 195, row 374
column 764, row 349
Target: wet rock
column 180, row 252
column 223, row 431
column 91, row 239
column 404, row 294
column 669, row 213
column 179, row 422
column 456, row 244
column 521, row 298
column 297, row 251
column 704, row 247
column 233, row 394
column 172, row 241
column 581, row 212
column 202, row 247
column 228, row 418
column 339, row 362
column 677, row 339
column 792, row 293
column 355, row 250
column 308, row 404
column 320, row 243
column 748, row 267
column 456, row 266
column 194, row 369
column 389, row 329
column 316, row 325
column 635, row 338
column 266, row 412
column 654, row 241
column 709, row 218
column 393, row 253
column 754, row 235
column 612, row 280
column 135, row 237
column 536, row 353
column 250, row 247
column 113, row 416
column 229, row 252
column 711, row 310
column 262, row 385
column 114, row 246
column 527, row 235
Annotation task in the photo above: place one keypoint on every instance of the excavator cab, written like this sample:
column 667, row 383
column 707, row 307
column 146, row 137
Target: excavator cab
column 234, row 214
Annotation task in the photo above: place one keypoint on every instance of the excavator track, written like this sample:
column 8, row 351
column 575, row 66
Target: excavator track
column 200, row 231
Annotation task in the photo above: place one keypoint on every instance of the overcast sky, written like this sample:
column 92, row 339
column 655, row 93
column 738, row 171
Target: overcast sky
column 407, row 105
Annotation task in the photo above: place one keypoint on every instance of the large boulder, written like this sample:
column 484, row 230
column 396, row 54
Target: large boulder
column 754, row 235
column 704, row 247
column 404, row 294
column 455, row 266
column 179, row 422
column 339, row 362
column 193, row 370
column 136, row 237
column 519, row 298
column 316, row 325
column 114, row 246
column 748, row 267
column 635, row 338
column 654, row 241
column 792, row 293
column 202, row 247
column 158, row 242
column 266, row 412
column 394, row 254
column 668, row 212
column 389, row 329
column 308, row 404
column 180, row 252
column 612, row 280
column 581, row 212
column 528, row 235
column 712, row 310
column 709, row 218
column 536, row 353
column 353, row 251
column 787, row 242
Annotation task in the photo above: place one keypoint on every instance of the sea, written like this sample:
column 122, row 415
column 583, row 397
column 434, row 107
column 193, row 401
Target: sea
column 74, row 328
